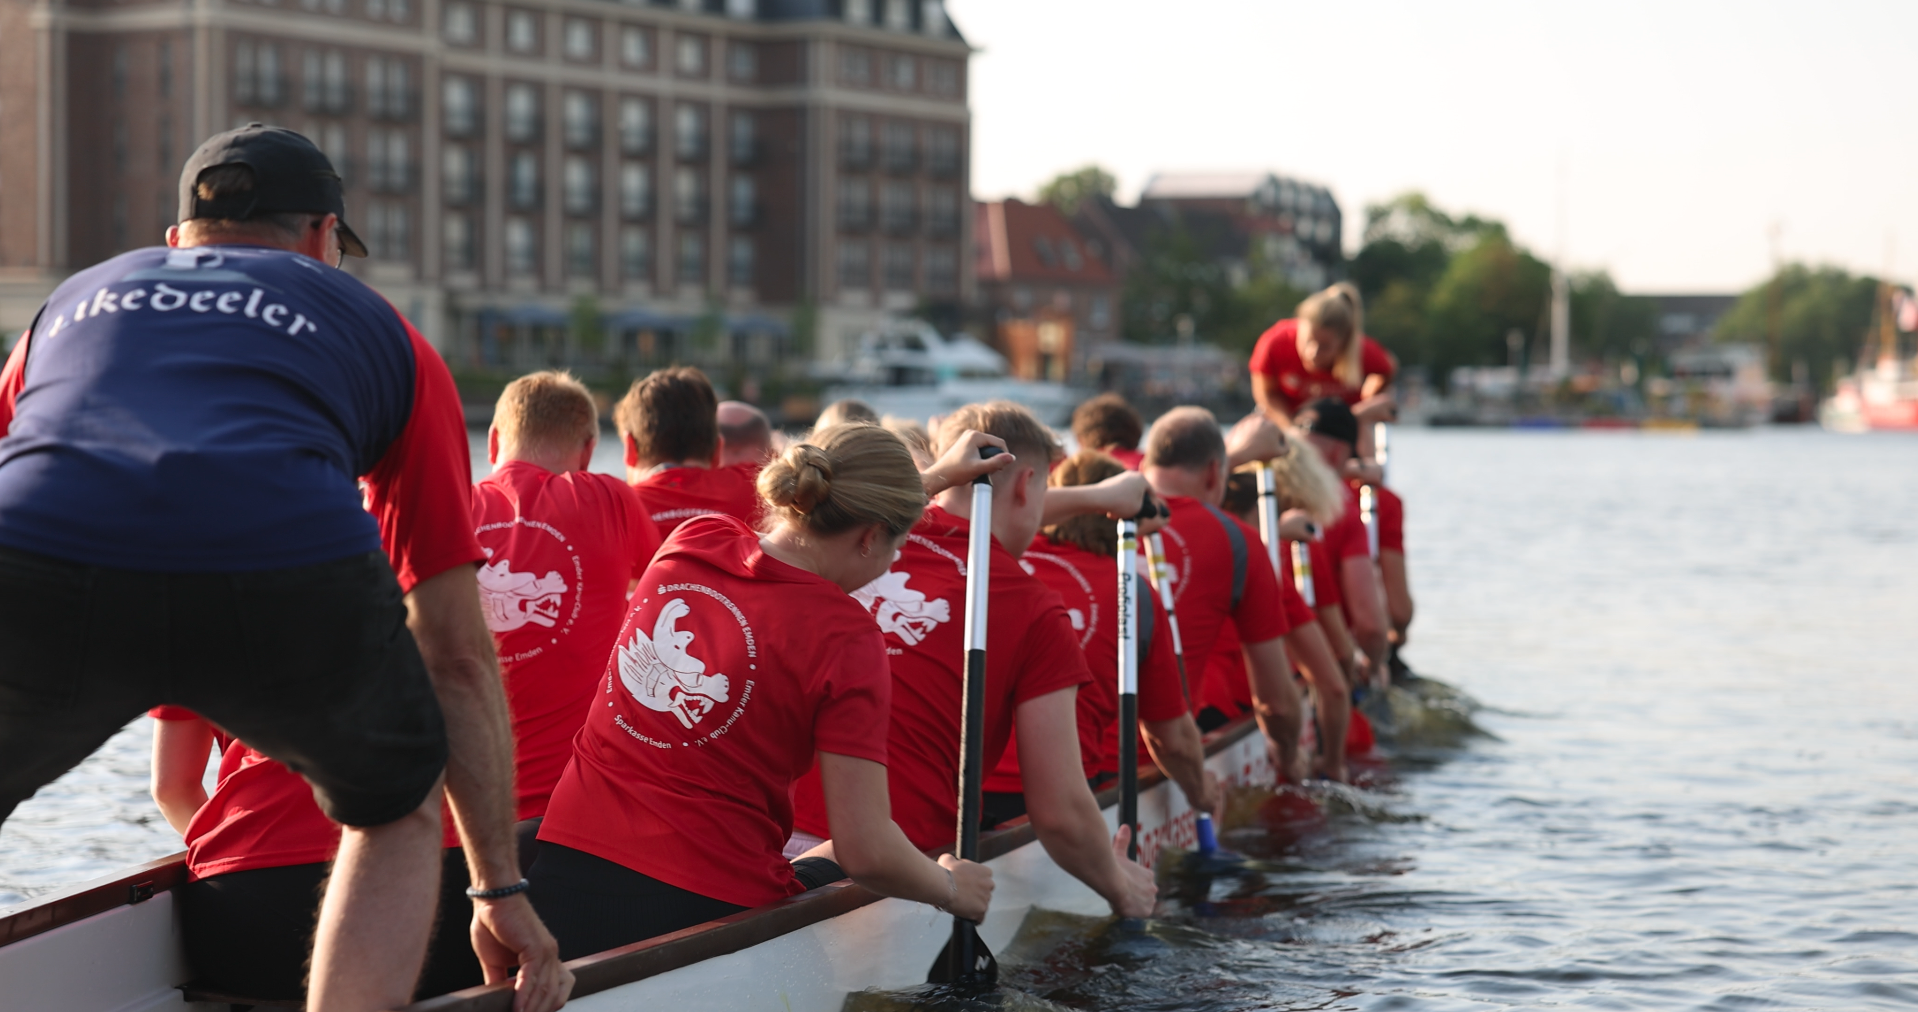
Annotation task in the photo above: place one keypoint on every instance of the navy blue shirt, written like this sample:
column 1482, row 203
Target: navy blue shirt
column 204, row 410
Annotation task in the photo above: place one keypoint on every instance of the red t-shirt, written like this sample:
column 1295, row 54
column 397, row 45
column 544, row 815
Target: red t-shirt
column 732, row 670
column 1132, row 459
column 260, row 814
column 561, row 550
column 1089, row 586
column 1293, row 380
column 1200, row 558
column 920, row 605
column 1224, row 685
column 677, row 494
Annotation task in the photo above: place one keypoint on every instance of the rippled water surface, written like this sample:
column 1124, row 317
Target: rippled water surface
column 1702, row 793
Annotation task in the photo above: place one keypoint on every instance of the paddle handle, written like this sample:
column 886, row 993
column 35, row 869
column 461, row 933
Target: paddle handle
column 972, row 712
column 1302, row 573
column 1269, row 513
column 1369, row 513
column 1208, row 834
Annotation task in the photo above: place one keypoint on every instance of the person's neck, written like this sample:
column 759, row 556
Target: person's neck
column 1175, row 481
column 822, row 557
column 656, row 466
column 549, row 461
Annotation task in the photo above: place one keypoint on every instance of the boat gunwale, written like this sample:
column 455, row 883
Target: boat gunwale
column 601, row 971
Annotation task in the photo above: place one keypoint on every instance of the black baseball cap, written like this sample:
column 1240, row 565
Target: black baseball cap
column 291, row 175
column 1329, row 416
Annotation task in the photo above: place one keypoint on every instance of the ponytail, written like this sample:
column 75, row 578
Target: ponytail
column 846, row 476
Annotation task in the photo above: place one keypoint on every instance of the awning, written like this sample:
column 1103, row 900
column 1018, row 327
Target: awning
column 645, row 319
column 534, row 315
column 755, row 323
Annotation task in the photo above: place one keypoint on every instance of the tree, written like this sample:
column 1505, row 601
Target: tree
column 1823, row 314
column 1066, row 190
column 1408, row 246
column 1487, row 291
column 1608, row 324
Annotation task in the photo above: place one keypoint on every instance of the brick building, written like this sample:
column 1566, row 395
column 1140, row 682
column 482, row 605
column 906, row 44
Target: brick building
column 1048, row 292
column 513, row 164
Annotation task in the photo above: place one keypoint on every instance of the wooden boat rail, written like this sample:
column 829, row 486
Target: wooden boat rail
column 599, row 972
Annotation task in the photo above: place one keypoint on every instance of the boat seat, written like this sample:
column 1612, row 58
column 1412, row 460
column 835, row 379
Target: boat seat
column 236, row 1003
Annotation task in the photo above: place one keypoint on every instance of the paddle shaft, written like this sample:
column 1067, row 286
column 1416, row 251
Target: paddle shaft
column 1156, row 570
column 1129, row 681
column 972, row 713
column 1369, row 513
column 1269, row 513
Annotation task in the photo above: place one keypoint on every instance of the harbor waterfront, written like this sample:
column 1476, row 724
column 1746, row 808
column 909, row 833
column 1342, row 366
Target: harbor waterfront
column 1699, row 791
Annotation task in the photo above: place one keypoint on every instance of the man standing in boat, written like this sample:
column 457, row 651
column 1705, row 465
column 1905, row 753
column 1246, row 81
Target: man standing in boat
column 181, row 522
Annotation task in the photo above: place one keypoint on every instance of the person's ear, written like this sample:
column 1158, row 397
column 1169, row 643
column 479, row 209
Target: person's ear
column 585, row 461
column 1022, row 487
column 492, row 444
column 632, row 449
column 1212, row 469
column 173, row 236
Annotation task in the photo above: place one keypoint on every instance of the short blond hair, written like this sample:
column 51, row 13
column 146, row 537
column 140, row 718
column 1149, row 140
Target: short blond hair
column 844, row 476
column 1026, row 436
column 546, row 411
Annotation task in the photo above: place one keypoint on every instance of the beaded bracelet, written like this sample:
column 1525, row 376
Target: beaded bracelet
column 500, row 893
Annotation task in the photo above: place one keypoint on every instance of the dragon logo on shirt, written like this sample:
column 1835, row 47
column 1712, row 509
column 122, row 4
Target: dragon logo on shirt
column 511, row 600
column 662, row 676
column 901, row 610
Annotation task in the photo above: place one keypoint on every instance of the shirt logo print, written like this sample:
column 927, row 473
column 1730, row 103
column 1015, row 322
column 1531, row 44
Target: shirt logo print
column 660, row 673
column 512, row 600
column 901, row 610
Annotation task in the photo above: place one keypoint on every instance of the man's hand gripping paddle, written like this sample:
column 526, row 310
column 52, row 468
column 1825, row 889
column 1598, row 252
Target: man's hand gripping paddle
column 965, row 961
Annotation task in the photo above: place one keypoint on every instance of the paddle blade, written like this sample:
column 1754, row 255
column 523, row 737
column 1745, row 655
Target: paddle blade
column 965, row 961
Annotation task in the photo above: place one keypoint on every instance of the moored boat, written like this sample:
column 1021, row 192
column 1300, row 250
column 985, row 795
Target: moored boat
column 114, row 945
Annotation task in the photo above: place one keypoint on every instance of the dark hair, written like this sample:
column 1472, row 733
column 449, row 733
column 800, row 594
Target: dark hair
column 236, row 179
column 1185, row 437
column 671, row 416
column 1241, row 493
column 1329, row 416
column 1107, row 420
column 1093, row 532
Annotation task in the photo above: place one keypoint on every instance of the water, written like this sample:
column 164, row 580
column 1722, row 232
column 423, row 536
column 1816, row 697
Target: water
column 1702, row 794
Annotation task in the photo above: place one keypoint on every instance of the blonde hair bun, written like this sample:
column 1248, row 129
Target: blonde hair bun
column 844, row 476
column 801, row 479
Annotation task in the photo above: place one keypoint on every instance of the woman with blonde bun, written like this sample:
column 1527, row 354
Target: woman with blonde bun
column 743, row 662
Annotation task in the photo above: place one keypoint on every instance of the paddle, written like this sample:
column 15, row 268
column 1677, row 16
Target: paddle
column 1156, row 568
column 965, row 961
column 1129, row 681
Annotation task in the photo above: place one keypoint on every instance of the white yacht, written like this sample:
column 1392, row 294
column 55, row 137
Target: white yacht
column 907, row 368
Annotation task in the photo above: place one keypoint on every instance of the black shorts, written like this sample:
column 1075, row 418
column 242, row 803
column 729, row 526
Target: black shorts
column 312, row 666
column 591, row 904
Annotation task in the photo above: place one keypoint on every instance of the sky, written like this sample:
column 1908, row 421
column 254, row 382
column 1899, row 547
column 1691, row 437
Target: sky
column 1675, row 136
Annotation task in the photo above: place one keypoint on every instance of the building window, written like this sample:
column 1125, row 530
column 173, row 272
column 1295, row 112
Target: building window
column 165, row 69
column 689, row 132
column 582, row 119
column 745, row 139
column 459, row 101
column 905, row 73
column 387, row 95
column 942, row 151
column 855, row 142
column 739, row 261
column 899, row 15
column 580, row 42
column 899, row 266
column 329, row 6
column 396, row 11
column 635, row 126
column 389, row 230
column 942, row 211
column 896, row 208
column 459, row 23
column 459, row 174
column 743, row 207
column 1069, row 255
column 690, row 56
column 581, row 185
column 324, row 81
column 164, row 129
column 635, row 254
column 389, row 167
column 942, row 78
column 744, row 10
column 522, row 32
column 855, row 265
column 692, row 258
column 331, row 137
column 855, row 67
column 1100, row 317
column 456, row 236
column 689, row 196
column 942, row 269
column 635, row 190
column 859, row 12
column 900, row 152
column 522, row 252
column 932, row 17
column 855, row 205
column 742, row 61
column 581, row 250
column 635, row 47
column 522, row 180
column 257, row 77
column 522, row 113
